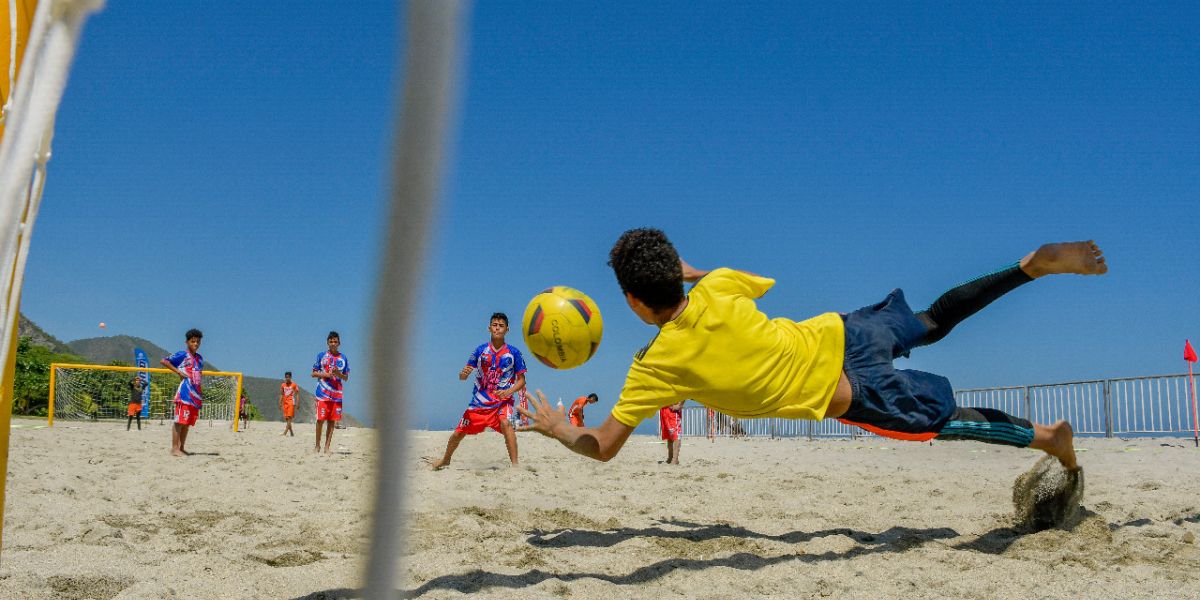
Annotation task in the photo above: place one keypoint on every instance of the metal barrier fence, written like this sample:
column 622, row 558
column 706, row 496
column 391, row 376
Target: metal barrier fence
column 1153, row 405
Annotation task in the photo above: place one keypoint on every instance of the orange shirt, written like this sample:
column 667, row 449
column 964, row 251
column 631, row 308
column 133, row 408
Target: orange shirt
column 576, row 411
column 289, row 394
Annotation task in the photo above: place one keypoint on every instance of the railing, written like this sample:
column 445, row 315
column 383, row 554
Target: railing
column 1154, row 405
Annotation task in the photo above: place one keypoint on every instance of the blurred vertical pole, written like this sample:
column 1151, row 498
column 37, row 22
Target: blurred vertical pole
column 30, row 105
column 427, row 110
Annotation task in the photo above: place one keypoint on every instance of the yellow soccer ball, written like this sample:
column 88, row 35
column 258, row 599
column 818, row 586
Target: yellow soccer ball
column 562, row 327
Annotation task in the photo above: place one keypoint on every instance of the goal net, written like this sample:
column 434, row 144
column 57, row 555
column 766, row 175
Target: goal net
column 94, row 392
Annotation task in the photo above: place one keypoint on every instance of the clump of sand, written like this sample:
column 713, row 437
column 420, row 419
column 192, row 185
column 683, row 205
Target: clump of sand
column 1047, row 495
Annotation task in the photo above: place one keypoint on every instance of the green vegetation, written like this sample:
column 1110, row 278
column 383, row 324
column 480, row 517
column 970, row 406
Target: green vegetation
column 31, row 386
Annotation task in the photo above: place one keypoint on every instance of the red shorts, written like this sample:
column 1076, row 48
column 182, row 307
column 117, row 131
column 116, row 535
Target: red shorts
column 669, row 423
column 186, row 414
column 328, row 410
column 135, row 409
column 475, row 420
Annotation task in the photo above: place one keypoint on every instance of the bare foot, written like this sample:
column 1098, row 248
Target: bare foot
column 1057, row 440
column 175, row 452
column 436, row 465
column 1082, row 258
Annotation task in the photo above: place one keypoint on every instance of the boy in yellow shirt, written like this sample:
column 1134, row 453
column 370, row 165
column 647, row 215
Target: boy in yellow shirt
column 716, row 347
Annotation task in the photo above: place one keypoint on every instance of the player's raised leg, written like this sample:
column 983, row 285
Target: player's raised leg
column 1079, row 258
column 966, row 299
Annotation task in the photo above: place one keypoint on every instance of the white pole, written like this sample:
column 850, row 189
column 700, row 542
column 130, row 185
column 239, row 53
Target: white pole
column 431, row 60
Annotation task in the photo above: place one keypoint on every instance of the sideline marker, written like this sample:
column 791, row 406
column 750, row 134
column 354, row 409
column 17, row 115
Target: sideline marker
column 1189, row 355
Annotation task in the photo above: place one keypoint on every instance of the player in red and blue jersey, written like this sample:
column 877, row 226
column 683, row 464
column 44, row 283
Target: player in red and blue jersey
column 187, row 364
column 331, row 370
column 501, row 373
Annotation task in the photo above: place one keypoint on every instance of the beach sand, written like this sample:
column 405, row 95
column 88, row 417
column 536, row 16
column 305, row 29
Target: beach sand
column 96, row 512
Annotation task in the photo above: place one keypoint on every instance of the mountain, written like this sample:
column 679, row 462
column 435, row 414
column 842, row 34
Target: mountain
column 29, row 329
column 104, row 350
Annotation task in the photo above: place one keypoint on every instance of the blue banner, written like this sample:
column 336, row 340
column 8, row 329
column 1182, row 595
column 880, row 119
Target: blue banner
column 139, row 359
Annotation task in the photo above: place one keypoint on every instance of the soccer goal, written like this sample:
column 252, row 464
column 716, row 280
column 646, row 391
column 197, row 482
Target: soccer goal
column 95, row 392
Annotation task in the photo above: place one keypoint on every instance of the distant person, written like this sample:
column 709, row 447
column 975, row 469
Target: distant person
column 501, row 374
column 715, row 346
column 135, row 402
column 575, row 413
column 331, row 370
column 287, row 402
column 244, row 411
column 670, row 425
column 188, row 365
column 518, row 419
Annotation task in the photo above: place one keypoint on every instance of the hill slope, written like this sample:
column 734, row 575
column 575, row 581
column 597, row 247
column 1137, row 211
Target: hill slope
column 29, row 329
column 104, row 350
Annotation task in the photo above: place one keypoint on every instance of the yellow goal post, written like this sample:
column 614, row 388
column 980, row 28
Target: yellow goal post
column 93, row 392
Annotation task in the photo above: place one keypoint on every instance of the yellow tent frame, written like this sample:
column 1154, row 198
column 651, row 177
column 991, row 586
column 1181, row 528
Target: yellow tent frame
column 18, row 21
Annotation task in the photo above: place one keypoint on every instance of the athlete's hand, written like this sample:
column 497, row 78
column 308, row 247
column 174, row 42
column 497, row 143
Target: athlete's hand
column 504, row 394
column 690, row 273
column 464, row 372
column 544, row 418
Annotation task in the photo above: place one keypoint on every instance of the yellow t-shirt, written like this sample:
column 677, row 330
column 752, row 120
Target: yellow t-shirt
column 726, row 354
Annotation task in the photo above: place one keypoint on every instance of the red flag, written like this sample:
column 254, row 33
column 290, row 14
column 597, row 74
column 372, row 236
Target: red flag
column 1189, row 353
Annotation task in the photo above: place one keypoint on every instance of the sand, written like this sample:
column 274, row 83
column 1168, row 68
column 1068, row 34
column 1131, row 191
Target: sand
column 95, row 512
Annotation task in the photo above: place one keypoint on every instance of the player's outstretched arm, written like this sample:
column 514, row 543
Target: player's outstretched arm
column 691, row 273
column 601, row 443
column 462, row 375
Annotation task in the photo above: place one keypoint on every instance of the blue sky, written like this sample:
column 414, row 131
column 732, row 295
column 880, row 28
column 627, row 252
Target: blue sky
column 224, row 166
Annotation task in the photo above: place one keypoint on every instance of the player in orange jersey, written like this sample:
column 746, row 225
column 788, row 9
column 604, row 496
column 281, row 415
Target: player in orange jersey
column 575, row 413
column 287, row 402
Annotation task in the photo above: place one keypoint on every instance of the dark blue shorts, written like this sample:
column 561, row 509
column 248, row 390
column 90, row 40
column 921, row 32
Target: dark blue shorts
column 897, row 403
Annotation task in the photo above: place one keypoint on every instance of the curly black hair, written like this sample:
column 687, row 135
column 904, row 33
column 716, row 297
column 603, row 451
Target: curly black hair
column 193, row 333
column 647, row 266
